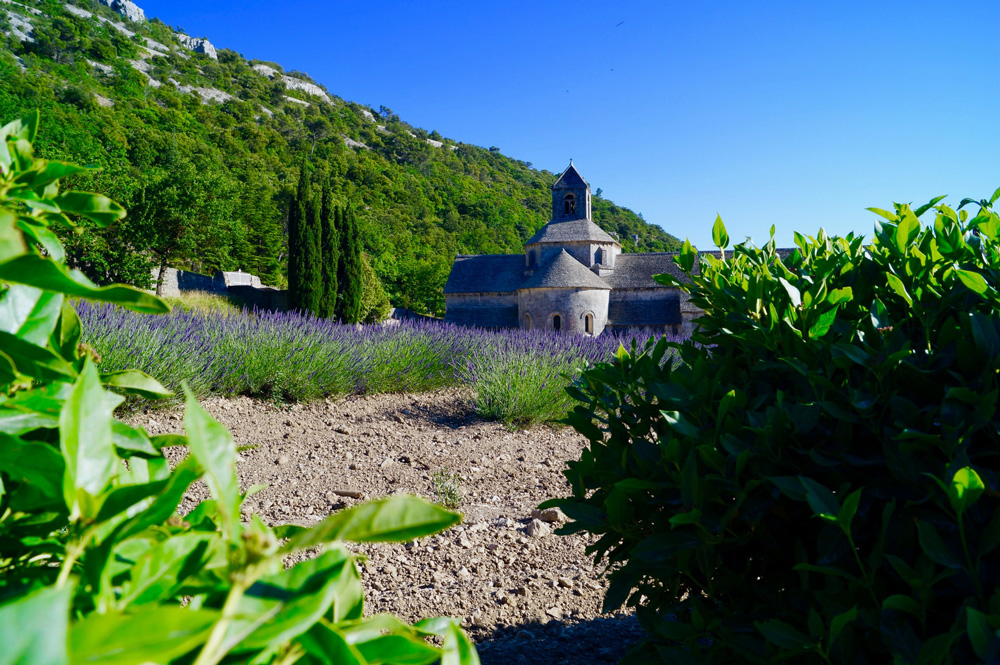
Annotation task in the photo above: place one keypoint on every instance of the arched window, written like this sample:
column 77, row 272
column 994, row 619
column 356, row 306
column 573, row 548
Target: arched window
column 556, row 322
column 531, row 259
column 599, row 256
column 527, row 321
column 588, row 323
column 569, row 204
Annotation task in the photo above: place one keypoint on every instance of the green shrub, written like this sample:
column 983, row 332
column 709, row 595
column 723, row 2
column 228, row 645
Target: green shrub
column 817, row 481
column 96, row 565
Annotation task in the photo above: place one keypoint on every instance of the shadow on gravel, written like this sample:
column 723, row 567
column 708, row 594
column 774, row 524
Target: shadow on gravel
column 452, row 416
column 600, row 641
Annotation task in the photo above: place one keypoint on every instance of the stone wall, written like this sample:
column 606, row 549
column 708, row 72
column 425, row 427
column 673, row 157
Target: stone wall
column 654, row 308
column 481, row 310
column 572, row 305
column 242, row 288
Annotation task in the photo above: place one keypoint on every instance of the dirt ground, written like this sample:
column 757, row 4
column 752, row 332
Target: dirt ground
column 525, row 594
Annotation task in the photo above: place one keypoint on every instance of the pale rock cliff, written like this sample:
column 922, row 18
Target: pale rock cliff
column 128, row 10
column 293, row 83
column 198, row 45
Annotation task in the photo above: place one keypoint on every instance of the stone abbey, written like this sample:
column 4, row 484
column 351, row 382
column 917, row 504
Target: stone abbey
column 571, row 278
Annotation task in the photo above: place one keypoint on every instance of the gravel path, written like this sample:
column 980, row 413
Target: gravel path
column 524, row 594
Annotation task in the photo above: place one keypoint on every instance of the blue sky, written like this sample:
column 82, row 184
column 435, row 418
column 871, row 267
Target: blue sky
column 797, row 114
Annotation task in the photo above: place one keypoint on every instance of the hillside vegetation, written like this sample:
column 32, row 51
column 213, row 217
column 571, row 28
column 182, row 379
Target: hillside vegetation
column 205, row 154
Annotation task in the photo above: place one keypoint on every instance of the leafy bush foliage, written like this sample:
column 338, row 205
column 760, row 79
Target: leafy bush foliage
column 95, row 563
column 817, row 481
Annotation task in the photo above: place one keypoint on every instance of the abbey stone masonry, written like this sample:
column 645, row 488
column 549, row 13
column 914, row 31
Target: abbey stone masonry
column 572, row 278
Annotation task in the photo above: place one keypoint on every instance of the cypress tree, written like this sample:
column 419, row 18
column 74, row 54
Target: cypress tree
column 349, row 275
column 297, row 240
column 312, row 260
column 329, row 255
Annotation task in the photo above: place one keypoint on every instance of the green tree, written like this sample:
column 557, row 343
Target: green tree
column 305, row 277
column 349, row 276
column 297, row 240
column 329, row 254
column 58, row 38
column 375, row 303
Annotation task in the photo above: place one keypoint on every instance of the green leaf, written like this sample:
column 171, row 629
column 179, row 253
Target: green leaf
column 981, row 634
column 29, row 313
column 281, row 607
column 883, row 213
column 43, row 273
column 839, row 623
column 823, row 323
column 398, row 650
column 11, row 238
column 793, row 292
column 35, row 361
column 327, row 645
column 149, row 635
column 95, row 207
column 903, row 603
column 130, row 441
column 906, row 231
column 821, row 500
column 211, row 444
column 87, row 443
column 68, row 331
column 690, row 517
column 784, row 635
column 38, row 468
column 838, row 296
column 397, row 518
column 966, row 488
column 848, row 510
column 972, row 280
column 719, row 235
column 134, row 382
column 25, row 128
column 33, row 628
column 161, row 571
column 458, row 649
column 663, row 546
column 934, row 547
column 897, row 285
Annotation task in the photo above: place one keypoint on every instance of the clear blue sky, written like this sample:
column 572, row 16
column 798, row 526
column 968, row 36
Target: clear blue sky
column 798, row 114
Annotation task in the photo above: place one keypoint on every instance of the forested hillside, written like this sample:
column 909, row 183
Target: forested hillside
column 204, row 147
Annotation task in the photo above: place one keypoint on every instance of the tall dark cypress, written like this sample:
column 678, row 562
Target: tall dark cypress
column 349, row 276
column 329, row 255
column 312, row 259
column 297, row 240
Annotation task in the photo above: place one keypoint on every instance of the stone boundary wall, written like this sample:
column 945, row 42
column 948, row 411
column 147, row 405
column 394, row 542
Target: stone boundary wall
column 242, row 288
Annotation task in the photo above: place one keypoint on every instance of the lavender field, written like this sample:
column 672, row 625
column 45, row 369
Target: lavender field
column 516, row 376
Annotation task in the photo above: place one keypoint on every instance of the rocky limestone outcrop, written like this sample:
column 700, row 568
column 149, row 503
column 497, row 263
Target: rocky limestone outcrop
column 293, row 83
column 128, row 10
column 198, row 45
column 20, row 28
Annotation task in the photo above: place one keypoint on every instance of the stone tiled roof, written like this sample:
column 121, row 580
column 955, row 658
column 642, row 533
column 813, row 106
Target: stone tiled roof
column 564, row 271
column 581, row 230
column 635, row 271
column 570, row 179
column 486, row 273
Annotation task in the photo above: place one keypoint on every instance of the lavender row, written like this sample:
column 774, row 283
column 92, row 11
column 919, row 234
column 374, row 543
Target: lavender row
column 516, row 376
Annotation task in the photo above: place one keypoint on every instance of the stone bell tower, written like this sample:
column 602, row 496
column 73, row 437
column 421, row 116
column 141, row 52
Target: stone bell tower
column 570, row 196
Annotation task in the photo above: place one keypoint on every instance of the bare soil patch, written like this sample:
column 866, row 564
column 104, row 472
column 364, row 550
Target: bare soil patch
column 525, row 594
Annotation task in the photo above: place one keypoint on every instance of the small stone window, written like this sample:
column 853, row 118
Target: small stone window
column 588, row 322
column 599, row 256
column 569, row 204
column 556, row 322
column 527, row 321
